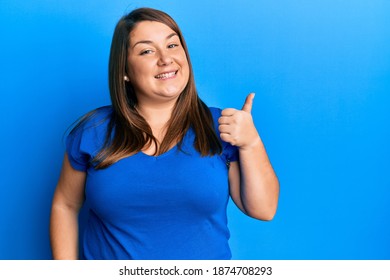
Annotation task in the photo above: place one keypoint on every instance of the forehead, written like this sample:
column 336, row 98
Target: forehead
column 151, row 31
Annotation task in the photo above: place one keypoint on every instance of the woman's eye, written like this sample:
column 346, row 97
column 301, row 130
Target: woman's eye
column 172, row 46
column 146, row 52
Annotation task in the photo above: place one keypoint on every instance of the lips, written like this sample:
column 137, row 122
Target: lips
column 166, row 75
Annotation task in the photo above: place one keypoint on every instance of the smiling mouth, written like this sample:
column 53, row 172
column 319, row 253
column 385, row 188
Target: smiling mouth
column 166, row 75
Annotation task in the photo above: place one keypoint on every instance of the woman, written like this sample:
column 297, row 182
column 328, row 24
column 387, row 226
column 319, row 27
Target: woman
column 156, row 168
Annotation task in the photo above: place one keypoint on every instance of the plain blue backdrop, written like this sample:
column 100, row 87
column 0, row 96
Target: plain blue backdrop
column 321, row 73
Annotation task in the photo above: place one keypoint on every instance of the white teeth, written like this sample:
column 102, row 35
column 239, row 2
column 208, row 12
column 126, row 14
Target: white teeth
column 166, row 75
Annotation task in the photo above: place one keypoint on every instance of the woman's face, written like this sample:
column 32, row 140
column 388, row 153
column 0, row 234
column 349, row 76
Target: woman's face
column 157, row 64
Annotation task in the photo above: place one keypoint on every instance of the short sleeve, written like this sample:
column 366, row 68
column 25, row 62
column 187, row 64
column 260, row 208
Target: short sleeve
column 229, row 152
column 87, row 138
column 78, row 159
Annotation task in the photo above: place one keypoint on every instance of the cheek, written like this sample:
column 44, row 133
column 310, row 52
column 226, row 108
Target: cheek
column 137, row 73
column 186, row 68
column 187, row 74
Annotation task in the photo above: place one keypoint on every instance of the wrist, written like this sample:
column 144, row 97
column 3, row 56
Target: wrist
column 251, row 145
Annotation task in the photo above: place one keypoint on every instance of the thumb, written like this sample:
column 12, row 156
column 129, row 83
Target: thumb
column 248, row 103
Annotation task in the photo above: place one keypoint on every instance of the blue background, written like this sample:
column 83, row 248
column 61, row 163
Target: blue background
column 321, row 71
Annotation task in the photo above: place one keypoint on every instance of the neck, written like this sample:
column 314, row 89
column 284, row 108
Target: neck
column 155, row 114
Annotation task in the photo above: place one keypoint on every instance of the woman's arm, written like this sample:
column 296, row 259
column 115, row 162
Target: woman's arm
column 254, row 186
column 67, row 201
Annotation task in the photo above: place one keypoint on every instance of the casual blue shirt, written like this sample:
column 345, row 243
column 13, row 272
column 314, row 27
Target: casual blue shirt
column 171, row 206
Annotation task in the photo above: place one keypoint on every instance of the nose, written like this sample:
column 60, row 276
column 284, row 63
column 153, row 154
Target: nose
column 164, row 59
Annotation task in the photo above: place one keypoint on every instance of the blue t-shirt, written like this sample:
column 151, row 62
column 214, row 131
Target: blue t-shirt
column 171, row 206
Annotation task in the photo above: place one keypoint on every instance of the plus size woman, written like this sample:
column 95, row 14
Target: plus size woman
column 157, row 166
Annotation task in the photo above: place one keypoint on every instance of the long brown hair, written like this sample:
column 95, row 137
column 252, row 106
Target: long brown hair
column 131, row 131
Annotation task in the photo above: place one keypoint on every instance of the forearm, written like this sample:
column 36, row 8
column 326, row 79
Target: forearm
column 64, row 233
column 259, row 186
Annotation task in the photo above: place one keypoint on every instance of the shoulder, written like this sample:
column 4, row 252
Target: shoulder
column 103, row 111
column 97, row 116
column 93, row 119
column 88, row 136
column 215, row 113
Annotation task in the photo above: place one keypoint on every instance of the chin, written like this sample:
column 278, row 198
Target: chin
column 172, row 92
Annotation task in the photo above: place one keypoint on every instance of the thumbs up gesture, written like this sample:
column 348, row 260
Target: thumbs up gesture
column 236, row 126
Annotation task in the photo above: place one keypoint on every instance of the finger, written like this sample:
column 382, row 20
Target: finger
column 228, row 138
column 228, row 112
column 225, row 137
column 224, row 120
column 224, row 128
column 248, row 103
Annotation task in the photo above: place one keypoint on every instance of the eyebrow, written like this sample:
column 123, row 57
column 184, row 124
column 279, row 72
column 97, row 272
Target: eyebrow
column 151, row 42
